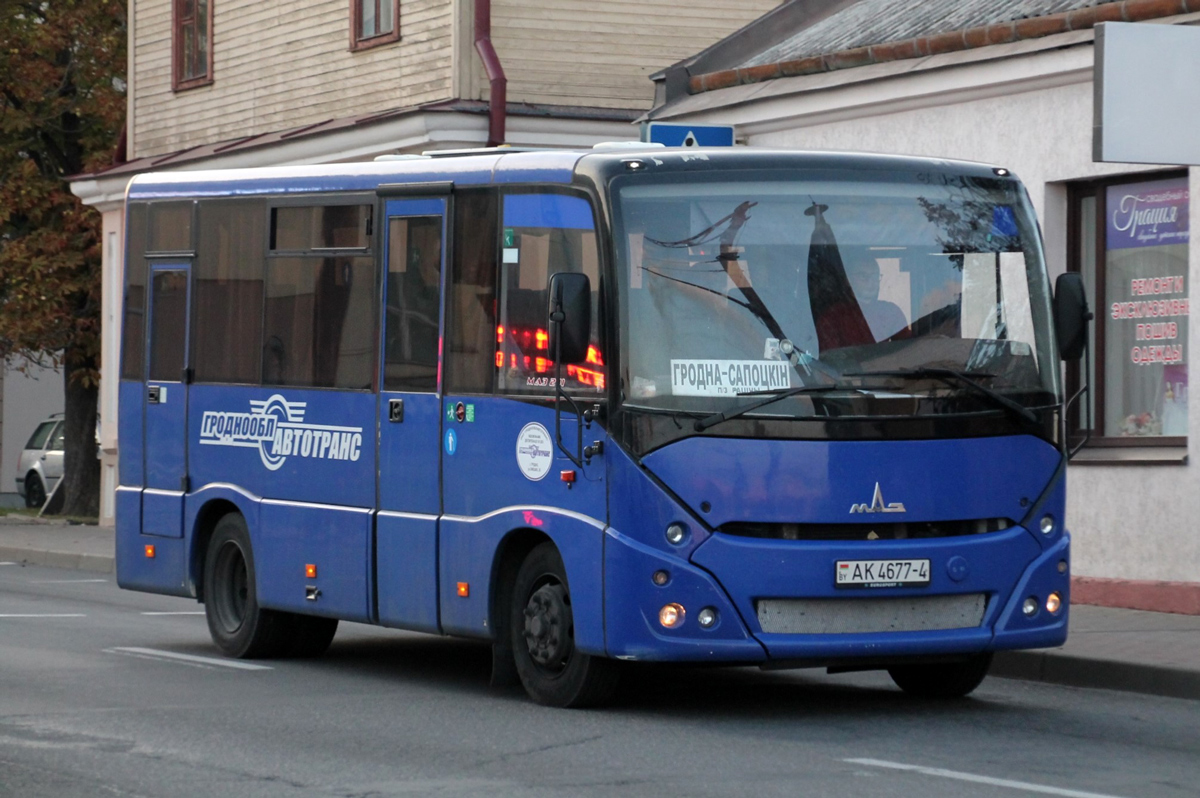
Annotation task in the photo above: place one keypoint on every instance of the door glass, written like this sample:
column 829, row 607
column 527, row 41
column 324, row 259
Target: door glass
column 58, row 440
column 413, row 281
column 168, row 330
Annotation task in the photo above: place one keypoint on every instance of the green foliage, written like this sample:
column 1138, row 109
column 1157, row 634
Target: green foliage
column 62, row 105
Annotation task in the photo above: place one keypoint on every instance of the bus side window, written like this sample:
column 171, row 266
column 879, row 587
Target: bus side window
column 133, row 339
column 319, row 326
column 471, row 325
column 228, row 288
column 543, row 234
column 414, row 265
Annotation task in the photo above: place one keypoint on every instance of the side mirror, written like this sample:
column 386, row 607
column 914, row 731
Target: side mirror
column 1071, row 315
column 570, row 314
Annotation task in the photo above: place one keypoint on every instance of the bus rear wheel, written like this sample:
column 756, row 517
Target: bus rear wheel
column 238, row 626
column 942, row 680
column 552, row 670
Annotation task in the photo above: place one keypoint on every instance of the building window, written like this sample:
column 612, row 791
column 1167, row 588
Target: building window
column 192, row 44
column 374, row 22
column 1129, row 239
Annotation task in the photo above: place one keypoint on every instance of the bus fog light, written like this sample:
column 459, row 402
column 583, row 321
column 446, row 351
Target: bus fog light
column 671, row 615
column 707, row 617
column 660, row 578
column 676, row 533
column 1030, row 607
column 1053, row 603
column 1047, row 524
column 1062, row 566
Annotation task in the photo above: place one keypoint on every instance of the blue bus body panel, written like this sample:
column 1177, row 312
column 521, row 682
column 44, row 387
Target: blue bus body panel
column 819, row 481
column 293, row 535
column 486, row 495
column 406, row 567
column 130, row 470
column 297, row 444
column 467, row 549
column 815, row 482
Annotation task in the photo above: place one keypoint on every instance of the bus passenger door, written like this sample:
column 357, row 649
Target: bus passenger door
column 406, row 531
column 166, row 397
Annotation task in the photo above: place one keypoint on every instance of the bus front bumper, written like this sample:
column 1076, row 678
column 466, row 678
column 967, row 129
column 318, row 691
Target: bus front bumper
column 732, row 577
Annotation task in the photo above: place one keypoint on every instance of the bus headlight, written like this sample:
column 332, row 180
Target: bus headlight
column 1053, row 603
column 1047, row 524
column 676, row 533
column 1030, row 607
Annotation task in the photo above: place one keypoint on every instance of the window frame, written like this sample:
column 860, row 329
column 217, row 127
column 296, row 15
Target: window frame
column 1075, row 375
column 178, row 81
column 359, row 42
column 371, row 252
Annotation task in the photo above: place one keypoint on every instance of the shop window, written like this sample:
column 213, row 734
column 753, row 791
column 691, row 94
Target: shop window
column 228, row 283
column 374, row 22
column 192, row 43
column 1129, row 239
column 543, row 234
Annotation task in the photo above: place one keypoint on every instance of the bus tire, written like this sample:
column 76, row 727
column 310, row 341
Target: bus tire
column 310, row 636
column 942, row 680
column 238, row 626
column 552, row 670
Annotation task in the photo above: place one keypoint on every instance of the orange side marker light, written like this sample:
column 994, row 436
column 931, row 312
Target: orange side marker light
column 150, row 551
column 464, row 589
column 310, row 571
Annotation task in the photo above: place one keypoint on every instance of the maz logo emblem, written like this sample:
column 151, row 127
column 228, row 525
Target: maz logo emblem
column 877, row 505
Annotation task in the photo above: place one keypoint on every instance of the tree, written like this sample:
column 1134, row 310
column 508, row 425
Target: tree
column 62, row 106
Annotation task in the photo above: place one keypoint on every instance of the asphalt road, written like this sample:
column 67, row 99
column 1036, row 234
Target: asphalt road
column 99, row 696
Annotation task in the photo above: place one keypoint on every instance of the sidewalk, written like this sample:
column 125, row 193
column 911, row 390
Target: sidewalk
column 1141, row 652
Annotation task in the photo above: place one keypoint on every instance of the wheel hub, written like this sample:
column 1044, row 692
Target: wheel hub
column 548, row 625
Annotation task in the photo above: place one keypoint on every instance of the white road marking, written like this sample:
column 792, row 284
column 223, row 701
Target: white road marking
column 190, row 659
column 971, row 777
column 65, row 581
column 7, row 563
column 43, row 615
column 188, row 612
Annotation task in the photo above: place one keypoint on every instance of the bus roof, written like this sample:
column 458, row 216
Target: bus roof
column 495, row 166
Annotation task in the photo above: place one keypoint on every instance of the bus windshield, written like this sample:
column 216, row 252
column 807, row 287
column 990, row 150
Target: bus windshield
column 871, row 286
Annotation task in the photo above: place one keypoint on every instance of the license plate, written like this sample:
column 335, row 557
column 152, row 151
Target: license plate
column 881, row 573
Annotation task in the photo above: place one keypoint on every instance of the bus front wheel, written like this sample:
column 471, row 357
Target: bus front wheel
column 552, row 670
column 942, row 680
column 239, row 627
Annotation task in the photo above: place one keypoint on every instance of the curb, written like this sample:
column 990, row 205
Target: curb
column 95, row 563
column 1075, row 671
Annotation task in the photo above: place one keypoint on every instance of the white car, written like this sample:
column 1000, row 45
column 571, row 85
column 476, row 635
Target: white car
column 40, row 465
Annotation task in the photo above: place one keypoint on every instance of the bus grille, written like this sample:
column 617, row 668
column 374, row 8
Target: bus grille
column 822, row 616
column 872, row 530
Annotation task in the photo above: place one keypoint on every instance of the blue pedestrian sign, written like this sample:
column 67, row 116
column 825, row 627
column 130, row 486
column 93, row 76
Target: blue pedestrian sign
column 673, row 135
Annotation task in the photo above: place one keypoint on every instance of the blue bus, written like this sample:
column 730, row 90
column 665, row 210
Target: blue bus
column 734, row 407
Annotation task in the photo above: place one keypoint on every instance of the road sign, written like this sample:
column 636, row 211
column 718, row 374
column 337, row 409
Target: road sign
column 1147, row 98
column 673, row 135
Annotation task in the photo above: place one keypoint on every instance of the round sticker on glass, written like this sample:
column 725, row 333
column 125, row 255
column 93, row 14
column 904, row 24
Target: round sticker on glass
column 534, row 451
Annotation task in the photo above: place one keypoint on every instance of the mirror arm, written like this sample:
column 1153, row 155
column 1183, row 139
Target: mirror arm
column 556, row 318
column 1086, row 388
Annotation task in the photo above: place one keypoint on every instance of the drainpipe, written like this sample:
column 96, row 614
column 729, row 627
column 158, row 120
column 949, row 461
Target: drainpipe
column 495, row 72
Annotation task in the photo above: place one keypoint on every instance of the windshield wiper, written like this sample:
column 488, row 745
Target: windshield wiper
column 952, row 377
column 771, row 396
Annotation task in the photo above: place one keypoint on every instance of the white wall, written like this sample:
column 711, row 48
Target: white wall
column 28, row 398
column 1128, row 521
